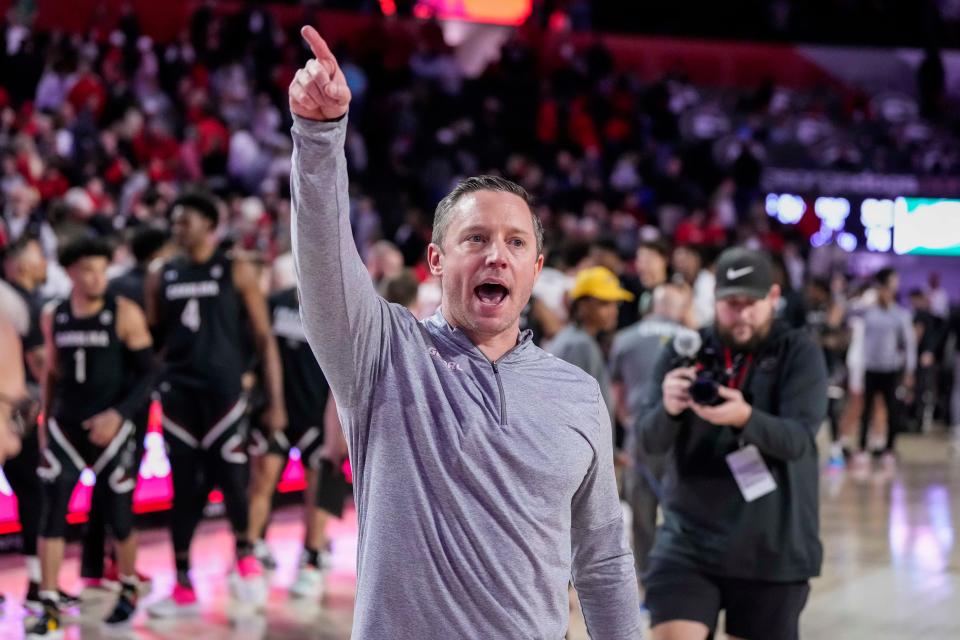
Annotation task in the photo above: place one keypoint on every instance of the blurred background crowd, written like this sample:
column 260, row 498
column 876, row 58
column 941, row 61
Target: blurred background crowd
column 648, row 177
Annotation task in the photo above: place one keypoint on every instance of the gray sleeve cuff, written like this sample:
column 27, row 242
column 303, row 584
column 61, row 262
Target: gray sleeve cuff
column 317, row 128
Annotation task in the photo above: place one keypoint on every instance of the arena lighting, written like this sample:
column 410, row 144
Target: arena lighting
column 833, row 212
column 877, row 213
column 785, row 207
column 847, row 241
column 879, row 239
column 503, row 12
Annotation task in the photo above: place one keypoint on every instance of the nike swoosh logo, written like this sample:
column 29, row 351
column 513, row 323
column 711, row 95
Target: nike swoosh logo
column 735, row 274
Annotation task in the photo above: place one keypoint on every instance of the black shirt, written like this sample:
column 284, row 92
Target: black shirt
column 305, row 389
column 200, row 312
column 707, row 523
column 90, row 357
column 34, row 337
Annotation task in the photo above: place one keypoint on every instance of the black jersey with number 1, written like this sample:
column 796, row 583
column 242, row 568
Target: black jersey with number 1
column 90, row 359
column 201, row 311
column 305, row 388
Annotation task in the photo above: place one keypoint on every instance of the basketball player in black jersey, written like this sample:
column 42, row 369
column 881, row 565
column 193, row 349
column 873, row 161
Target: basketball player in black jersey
column 100, row 370
column 321, row 446
column 194, row 305
column 147, row 245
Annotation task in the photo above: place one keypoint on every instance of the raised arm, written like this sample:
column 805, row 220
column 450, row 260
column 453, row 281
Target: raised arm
column 343, row 317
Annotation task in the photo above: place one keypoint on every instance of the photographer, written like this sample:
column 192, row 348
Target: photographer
column 738, row 415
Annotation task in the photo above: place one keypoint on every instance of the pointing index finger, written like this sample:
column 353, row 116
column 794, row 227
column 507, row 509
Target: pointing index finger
column 317, row 45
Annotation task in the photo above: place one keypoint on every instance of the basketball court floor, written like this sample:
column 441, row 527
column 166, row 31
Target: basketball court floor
column 891, row 570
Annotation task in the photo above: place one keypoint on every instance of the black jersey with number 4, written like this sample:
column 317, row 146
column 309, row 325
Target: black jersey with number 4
column 90, row 360
column 305, row 388
column 201, row 314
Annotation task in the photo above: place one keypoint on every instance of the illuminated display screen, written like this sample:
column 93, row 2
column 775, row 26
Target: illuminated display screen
column 154, row 490
column 926, row 226
column 505, row 12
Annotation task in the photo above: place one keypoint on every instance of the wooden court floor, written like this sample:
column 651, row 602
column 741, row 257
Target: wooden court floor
column 892, row 567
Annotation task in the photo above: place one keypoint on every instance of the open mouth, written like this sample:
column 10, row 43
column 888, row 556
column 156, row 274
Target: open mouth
column 491, row 293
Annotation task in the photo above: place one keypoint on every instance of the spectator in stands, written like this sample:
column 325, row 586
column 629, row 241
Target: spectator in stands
column 594, row 304
column 689, row 267
column 653, row 268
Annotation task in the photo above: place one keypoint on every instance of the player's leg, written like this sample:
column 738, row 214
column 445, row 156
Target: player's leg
column 118, row 476
column 21, row 472
column 190, row 485
column 59, row 472
column 268, row 455
column 93, row 542
column 229, row 465
column 309, row 580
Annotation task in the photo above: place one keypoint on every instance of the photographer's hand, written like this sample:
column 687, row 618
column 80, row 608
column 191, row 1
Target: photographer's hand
column 676, row 390
column 734, row 412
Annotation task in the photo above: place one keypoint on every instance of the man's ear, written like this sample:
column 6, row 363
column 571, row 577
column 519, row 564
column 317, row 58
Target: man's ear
column 435, row 260
column 774, row 294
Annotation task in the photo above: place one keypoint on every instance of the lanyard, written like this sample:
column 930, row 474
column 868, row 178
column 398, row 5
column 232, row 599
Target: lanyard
column 737, row 368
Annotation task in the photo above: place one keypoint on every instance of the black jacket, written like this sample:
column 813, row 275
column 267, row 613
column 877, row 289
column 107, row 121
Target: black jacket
column 708, row 525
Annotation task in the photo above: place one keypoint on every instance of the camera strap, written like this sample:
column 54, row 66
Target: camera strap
column 738, row 367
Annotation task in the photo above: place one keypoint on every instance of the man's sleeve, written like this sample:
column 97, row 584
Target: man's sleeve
column 658, row 430
column 344, row 319
column 791, row 433
column 603, row 567
column 34, row 336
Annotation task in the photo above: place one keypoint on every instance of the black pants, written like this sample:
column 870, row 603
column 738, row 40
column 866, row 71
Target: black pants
column 885, row 384
column 218, row 458
column 21, row 473
column 95, row 532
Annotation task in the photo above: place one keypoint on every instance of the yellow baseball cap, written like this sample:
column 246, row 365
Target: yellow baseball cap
column 599, row 283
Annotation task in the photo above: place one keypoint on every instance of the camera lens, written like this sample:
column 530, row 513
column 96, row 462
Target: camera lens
column 705, row 391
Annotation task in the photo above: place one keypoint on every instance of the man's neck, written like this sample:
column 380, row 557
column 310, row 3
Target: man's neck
column 24, row 283
column 202, row 252
column 83, row 306
column 493, row 346
column 589, row 329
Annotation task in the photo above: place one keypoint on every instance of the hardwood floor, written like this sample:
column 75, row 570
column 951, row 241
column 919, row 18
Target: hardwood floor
column 891, row 571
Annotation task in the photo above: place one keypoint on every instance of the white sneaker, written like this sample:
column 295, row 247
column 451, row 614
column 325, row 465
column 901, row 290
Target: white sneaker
column 247, row 582
column 860, row 468
column 309, row 583
column 181, row 603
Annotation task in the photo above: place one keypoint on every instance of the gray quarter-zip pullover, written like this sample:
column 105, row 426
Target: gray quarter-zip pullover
column 482, row 488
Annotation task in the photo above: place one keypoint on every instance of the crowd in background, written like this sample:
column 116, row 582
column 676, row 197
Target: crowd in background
column 648, row 180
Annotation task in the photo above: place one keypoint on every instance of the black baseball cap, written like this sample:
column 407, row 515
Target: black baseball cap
column 743, row 272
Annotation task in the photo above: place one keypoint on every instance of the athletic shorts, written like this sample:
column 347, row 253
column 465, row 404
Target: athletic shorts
column 307, row 440
column 68, row 452
column 756, row 610
column 196, row 420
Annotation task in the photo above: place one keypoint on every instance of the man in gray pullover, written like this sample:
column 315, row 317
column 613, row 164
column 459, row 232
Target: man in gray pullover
column 483, row 470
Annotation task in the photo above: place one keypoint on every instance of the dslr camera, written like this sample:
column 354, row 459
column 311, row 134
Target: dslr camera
column 712, row 372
